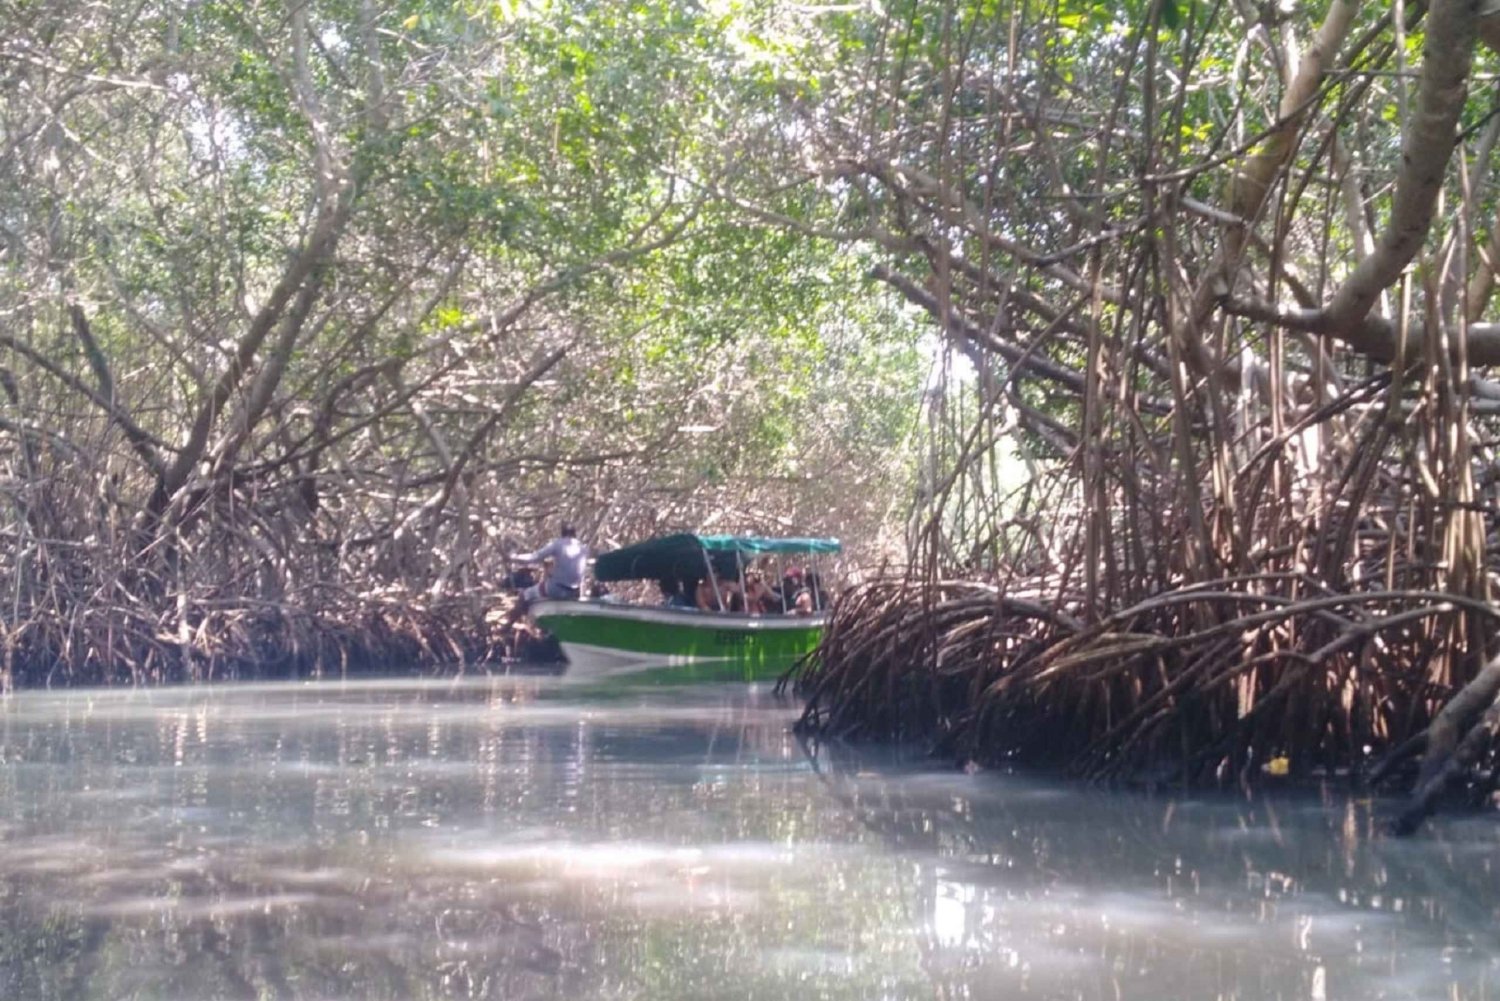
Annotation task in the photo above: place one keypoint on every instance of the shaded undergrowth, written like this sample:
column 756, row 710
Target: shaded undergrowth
column 253, row 640
column 1213, row 683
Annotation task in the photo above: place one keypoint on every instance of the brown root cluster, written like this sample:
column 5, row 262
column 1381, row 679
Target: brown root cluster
column 243, row 640
column 1224, row 681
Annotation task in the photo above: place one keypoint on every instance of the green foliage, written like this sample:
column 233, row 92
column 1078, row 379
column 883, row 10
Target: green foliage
column 540, row 287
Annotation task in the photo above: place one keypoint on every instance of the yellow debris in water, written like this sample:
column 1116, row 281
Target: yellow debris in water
column 1278, row 765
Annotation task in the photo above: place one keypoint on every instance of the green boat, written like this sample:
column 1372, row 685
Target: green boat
column 602, row 637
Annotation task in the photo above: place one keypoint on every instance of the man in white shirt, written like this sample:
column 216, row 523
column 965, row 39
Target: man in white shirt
column 569, row 557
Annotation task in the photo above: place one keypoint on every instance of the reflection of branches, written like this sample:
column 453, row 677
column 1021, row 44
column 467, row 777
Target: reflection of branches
column 1001, row 838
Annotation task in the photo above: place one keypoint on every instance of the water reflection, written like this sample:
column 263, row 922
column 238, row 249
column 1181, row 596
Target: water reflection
column 527, row 838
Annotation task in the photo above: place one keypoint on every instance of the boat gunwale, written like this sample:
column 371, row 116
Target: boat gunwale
column 691, row 617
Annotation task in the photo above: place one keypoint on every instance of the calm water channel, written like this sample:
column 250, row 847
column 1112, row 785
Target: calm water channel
column 530, row 838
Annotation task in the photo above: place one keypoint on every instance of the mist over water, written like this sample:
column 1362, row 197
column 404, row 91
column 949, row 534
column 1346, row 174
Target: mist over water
column 532, row 838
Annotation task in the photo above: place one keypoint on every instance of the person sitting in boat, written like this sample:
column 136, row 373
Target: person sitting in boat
column 758, row 594
column 706, row 596
column 814, row 584
column 791, row 584
column 671, row 593
column 731, row 595
column 569, row 557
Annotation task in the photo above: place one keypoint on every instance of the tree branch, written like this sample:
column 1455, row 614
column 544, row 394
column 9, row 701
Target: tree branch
column 1426, row 149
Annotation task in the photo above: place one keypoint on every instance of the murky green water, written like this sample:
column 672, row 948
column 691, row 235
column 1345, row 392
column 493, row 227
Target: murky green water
column 533, row 839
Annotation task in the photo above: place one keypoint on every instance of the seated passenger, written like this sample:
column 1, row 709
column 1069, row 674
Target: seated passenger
column 705, row 596
column 563, row 560
column 758, row 596
column 730, row 595
column 671, row 593
column 791, row 583
column 814, row 583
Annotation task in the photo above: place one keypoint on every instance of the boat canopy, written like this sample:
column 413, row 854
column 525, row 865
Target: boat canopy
column 681, row 556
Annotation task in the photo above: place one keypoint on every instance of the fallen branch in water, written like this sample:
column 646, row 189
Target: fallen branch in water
column 1449, row 757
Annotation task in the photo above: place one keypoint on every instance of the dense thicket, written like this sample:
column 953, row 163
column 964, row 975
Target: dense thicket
column 309, row 312
column 1222, row 275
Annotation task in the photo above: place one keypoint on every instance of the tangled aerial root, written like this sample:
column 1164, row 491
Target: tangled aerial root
column 1209, row 683
column 236, row 639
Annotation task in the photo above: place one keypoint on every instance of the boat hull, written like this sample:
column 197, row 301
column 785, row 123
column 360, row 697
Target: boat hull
column 601, row 638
